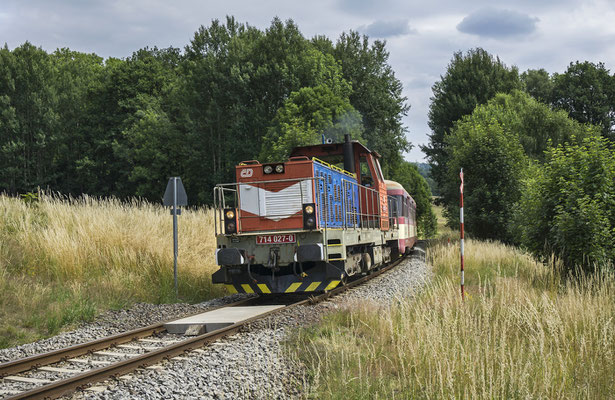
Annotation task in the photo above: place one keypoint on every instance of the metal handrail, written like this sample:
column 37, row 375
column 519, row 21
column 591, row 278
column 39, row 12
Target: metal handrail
column 366, row 196
column 368, row 219
column 222, row 189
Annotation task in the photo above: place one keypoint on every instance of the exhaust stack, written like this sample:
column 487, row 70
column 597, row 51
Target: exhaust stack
column 348, row 154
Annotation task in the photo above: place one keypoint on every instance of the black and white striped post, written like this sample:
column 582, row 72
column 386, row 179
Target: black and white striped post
column 461, row 231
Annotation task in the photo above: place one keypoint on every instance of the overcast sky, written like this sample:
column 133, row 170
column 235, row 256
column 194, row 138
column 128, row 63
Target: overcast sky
column 421, row 35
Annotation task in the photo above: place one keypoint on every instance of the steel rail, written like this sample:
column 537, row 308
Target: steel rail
column 62, row 387
column 39, row 360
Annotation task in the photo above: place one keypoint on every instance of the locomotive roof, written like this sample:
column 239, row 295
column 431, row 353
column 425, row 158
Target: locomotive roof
column 332, row 148
column 393, row 185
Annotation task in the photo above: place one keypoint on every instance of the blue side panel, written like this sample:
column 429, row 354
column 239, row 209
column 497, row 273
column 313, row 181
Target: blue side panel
column 337, row 197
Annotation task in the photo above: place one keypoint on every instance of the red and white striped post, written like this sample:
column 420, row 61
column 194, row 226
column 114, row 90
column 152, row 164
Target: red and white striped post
column 461, row 231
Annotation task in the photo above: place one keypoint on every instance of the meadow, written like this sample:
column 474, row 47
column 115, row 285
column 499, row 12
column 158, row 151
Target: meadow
column 64, row 260
column 523, row 331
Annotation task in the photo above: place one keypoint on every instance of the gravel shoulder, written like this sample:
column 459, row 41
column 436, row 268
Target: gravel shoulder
column 251, row 364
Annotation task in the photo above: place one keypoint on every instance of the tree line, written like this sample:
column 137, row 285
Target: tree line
column 77, row 123
column 537, row 152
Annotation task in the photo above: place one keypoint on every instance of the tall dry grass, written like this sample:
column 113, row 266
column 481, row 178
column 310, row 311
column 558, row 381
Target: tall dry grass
column 64, row 260
column 521, row 333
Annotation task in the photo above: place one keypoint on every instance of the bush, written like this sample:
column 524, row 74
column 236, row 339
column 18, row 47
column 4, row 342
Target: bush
column 568, row 206
column 492, row 159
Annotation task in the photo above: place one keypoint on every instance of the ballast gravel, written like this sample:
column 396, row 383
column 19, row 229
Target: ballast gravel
column 251, row 364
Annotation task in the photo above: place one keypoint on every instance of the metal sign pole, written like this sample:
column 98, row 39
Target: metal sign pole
column 461, row 233
column 175, row 197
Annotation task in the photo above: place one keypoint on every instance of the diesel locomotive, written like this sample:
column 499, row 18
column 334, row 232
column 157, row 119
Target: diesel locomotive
column 311, row 222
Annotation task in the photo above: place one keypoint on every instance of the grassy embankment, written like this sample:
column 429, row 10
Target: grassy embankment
column 522, row 333
column 63, row 262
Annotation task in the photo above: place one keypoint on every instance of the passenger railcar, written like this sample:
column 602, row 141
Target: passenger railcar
column 311, row 222
column 403, row 210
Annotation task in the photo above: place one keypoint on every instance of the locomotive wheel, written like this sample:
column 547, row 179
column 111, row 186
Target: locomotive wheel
column 366, row 262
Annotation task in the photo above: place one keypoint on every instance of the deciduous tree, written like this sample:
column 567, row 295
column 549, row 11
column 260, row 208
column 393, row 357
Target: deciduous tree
column 471, row 79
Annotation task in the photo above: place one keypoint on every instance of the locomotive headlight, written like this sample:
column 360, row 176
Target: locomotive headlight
column 268, row 169
column 230, row 224
column 279, row 168
column 309, row 217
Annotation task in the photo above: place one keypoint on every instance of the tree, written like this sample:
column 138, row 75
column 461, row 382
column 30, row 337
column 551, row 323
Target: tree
column 494, row 145
column 75, row 77
column 306, row 115
column 376, row 94
column 567, row 207
column 310, row 112
column 587, row 92
column 80, row 124
column 537, row 126
column 538, row 84
column 471, row 79
column 28, row 119
column 492, row 159
column 409, row 177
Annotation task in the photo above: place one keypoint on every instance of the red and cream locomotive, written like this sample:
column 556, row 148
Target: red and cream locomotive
column 311, row 222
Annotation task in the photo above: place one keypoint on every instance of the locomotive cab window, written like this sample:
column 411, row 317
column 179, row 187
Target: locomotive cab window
column 366, row 173
column 334, row 159
column 379, row 171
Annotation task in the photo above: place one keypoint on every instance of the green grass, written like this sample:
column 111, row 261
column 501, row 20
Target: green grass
column 63, row 262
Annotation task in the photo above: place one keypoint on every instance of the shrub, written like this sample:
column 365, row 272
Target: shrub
column 568, row 206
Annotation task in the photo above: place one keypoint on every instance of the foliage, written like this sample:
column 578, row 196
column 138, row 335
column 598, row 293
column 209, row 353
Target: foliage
column 28, row 118
column 75, row 123
column 305, row 117
column 409, row 177
column 493, row 145
column 492, row 159
column 537, row 126
column 471, row 79
column 568, row 205
column 538, row 84
column 425, row 171
column 587, row 92
column 376, row 94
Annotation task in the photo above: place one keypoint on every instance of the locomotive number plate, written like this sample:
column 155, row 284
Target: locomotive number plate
column 274, row 239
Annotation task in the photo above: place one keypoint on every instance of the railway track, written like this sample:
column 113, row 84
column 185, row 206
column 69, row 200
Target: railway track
column 118, row 351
